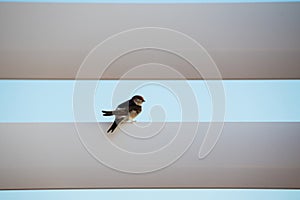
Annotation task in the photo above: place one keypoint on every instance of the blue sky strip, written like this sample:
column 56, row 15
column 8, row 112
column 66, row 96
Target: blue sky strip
column 159, row 194
column 245, row 100
column 148, row 1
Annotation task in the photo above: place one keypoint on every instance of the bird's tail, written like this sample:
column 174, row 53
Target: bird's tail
column 112, row 127
column 107, row 113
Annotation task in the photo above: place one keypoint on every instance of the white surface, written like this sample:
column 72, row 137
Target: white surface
column 248, row 155
column 247, row 41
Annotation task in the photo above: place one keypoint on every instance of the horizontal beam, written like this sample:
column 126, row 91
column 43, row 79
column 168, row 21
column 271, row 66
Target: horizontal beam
column 244, row 41
column 149, row 1
column 55, row 155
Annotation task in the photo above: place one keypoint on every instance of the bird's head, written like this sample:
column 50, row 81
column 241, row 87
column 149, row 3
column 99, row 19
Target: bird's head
column 138, row 100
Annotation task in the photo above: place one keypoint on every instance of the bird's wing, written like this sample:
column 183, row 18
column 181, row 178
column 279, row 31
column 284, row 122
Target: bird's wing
column 120, row 112
column 122, row 109
column 124, row 105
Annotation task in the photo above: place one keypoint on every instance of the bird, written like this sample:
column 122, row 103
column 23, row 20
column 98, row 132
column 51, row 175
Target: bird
column 127, row 110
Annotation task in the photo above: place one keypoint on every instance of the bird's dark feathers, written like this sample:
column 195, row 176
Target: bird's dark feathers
column 112, row 127
column 122, row 111
column 107, row 113
column 133, row 106
column 126, row 107
column 138, row 97
column 117, row 121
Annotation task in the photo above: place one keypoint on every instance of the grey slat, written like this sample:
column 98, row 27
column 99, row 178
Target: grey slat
column 246, row 41
column 247, row 155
